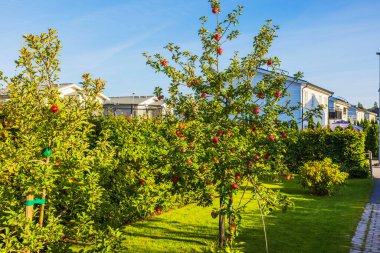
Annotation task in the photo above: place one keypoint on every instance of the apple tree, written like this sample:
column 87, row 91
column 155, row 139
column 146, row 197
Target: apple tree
column 228, row 131
column 49, row 182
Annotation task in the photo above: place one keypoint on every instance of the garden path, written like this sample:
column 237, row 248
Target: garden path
column 367, row 235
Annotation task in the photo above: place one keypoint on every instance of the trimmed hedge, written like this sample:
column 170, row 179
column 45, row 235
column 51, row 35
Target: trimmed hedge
column 345, row 147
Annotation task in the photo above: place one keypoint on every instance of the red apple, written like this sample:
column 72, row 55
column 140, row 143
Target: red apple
column 209, row 182
column 214, row 214
column 260, row 95
column 215, row 159
column 215, row 140
column 142, row 181
column 158, row 209
column 217, row 36
column 256, row 110
column 220, row 133
column 232, row 228
column 215, row 10
column 188, row 161
column 235, row 186
column 250, row 163
column 256, row 157
column 266, row 156
column 271, row 138
column 203, row 95
column 178, row 133
column 71, row 180
column 54, row 108
column 237, row 176
column 269, row 62
column 220, row 50
column 174, row 179
column 232, row 150
column 277, row 94
column 284, row 135
column 164, row 63
column 229, row 133
column 254, row 129
column 160, row 97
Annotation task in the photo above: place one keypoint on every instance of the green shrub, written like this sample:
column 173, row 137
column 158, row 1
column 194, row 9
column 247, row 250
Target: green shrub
column 345, row 147
column 322, row 177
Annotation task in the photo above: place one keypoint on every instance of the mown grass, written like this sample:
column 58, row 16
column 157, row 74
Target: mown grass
column 315, row 224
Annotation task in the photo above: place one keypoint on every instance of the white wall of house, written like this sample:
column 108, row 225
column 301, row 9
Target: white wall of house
column 309, row 96
column 312, row 98
column 360, row 115
column 371, row 116
column 294, row 97
column 356, row 114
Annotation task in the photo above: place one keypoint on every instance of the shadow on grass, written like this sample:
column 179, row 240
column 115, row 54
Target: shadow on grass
column 169, row 236
column 315, row 224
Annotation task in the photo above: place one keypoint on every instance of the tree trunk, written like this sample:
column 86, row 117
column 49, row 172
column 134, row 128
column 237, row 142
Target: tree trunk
column 222, row 226
column 231, row 219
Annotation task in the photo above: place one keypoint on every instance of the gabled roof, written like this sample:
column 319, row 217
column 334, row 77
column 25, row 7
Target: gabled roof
column 74, row 86
column 63, row 86
column 341, row 101
column 301, row 82
column 317, row 88
column 357, row 108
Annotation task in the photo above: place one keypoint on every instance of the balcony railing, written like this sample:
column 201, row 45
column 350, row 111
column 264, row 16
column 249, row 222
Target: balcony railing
column 335, row 115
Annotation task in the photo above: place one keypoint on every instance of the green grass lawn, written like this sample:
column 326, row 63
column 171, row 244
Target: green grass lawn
column 315, row 224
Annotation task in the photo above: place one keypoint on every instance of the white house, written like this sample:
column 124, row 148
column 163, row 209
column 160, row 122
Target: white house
column 72, row 89
column 371, row 116
column 150, row 106
column 338, row 109
column 303, row 93
column 355, row 114
column 65, row 89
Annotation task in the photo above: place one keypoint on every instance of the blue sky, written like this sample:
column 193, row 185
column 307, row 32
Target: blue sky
column 333, row 42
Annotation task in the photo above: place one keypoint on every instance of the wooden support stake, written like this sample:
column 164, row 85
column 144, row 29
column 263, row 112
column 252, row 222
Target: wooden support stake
column 42, row 209
column 29, row 213
column 29, row 209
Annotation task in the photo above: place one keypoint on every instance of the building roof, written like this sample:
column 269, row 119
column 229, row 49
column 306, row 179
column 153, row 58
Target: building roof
column 340, row 100
column 75, row 86
column 304, row 82
column 4, row 92
column 317, row 88
column 357, row 108
column 135, row 100
column 369, row 112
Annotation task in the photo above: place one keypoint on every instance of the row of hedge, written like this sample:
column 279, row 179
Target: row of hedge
column 344, row 147
column 139, row 176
